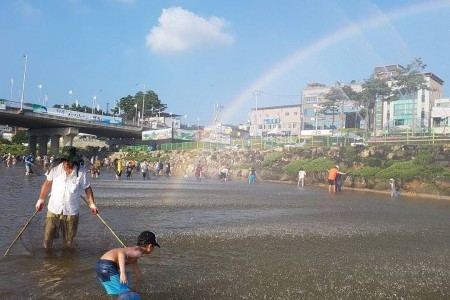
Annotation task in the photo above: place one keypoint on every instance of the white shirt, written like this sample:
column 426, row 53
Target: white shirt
column 66, row 190
column 301, row 174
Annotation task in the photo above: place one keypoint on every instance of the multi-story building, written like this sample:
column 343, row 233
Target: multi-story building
column 275, row 120
column 316, row 116
column 440, row 115
column 411, row 111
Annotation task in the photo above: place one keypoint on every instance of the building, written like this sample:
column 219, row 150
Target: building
column 317, row 116
column 440, row 115
column 276, row 120
column 162, row 120
column 412, row 112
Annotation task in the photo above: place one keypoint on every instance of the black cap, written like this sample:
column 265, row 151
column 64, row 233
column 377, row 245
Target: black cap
column 147, row 238
column 70, row 154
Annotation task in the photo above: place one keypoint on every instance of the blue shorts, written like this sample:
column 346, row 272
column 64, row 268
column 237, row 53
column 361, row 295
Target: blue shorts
column 109, row 276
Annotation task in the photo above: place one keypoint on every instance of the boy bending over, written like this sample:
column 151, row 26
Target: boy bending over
column 111, row 266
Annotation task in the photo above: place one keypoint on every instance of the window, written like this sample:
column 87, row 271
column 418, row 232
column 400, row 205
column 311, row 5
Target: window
column 309, row 112
column 311, row 99
column 399, row 122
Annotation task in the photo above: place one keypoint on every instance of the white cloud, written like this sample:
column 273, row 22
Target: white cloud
column 180, row 30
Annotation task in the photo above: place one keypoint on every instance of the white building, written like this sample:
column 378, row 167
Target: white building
column 412, row 112
column 275, row 120
column 440, row 115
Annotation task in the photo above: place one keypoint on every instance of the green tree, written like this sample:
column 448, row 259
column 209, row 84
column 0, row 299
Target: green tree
column 129, row 105
column 336, row 98
column 20, row 137
column 404, row 83
column 409, row 80
column 373, row 88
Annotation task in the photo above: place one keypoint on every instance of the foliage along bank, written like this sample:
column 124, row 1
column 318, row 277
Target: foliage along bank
column 417, row 168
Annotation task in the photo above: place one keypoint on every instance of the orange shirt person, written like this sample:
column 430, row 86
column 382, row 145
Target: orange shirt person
column 332, row 178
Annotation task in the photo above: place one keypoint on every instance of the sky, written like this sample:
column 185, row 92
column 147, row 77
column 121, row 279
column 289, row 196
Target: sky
column 205, row 58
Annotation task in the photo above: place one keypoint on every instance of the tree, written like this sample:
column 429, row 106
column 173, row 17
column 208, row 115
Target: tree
column 20, row 137
column 130, row 104
column 409, row 80
column 336, row 97
column 405, row 82
column 373, row 88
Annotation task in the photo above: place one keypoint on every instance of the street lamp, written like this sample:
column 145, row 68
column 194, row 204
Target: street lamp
column 23, row 83
column 143, row 102
column 40, row 92
column 94, row 100
column 70, row 98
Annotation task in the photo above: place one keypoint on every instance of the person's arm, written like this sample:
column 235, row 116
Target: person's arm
column 90, row 196
column 123, row 274
column 43, row 194
column 136, row 271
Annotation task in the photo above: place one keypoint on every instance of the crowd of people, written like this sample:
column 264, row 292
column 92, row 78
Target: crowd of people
column 149, row 170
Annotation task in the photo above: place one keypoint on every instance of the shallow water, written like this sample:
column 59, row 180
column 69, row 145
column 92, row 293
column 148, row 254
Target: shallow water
column 234, row 241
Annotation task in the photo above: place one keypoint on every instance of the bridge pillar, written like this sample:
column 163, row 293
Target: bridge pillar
column 42, row 140
column 32, row 139
column 67, row 140
column 54, row 145
column 68, row 133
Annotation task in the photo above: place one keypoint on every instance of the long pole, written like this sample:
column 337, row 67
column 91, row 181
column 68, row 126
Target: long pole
column 40, row 92
column 143, row 103
column 256, row 109
column 23, row 83
column 12, row 84
column 20, row 233
column 103, row 221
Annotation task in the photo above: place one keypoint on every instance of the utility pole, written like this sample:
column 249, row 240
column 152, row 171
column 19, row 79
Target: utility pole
column 257, row 94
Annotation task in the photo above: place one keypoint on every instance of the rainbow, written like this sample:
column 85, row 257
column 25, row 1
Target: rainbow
column 378, row 19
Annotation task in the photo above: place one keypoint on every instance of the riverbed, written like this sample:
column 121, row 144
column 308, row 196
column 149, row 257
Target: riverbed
column 233, row 240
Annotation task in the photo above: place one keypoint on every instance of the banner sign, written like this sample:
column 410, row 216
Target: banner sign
column 161, row 134
column 216, row 138
column 84, row 116
column 188, row 135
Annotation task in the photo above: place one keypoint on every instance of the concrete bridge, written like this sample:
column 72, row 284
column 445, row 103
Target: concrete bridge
column 43, row 128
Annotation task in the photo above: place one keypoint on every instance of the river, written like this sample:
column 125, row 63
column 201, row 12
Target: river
column 232, row 240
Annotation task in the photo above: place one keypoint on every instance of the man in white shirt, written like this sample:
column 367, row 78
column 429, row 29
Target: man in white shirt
column 66, row 181
column 301, row 177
